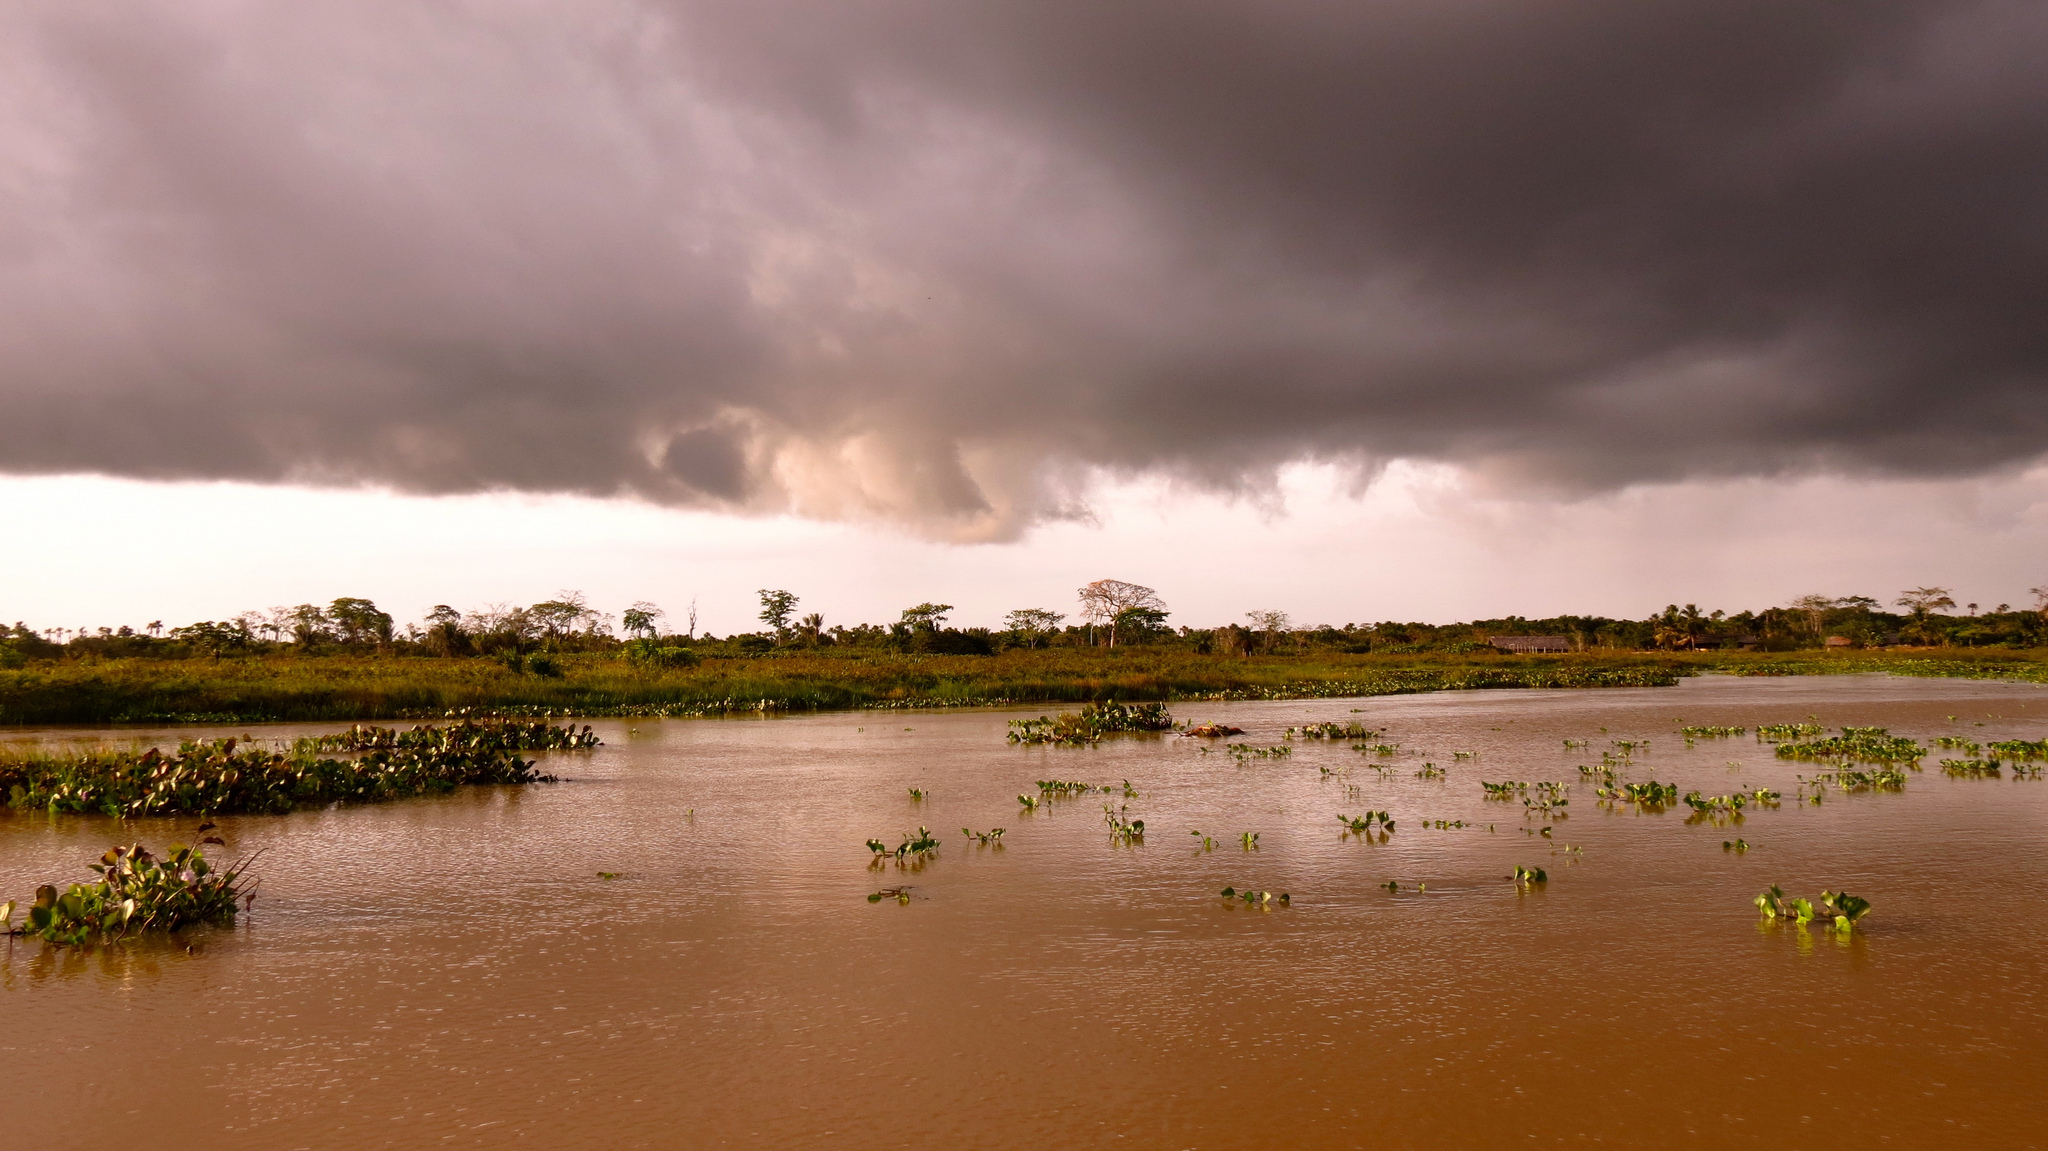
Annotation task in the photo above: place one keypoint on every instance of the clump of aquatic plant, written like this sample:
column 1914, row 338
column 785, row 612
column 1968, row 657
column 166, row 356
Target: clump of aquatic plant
column 1332, row 731
column 1361, row 824
column 1970, row 768
column 1780, row 732
column 1647, row 795
column 1028, row 802
column 1246, row 751
column 1733, row 803
column 2024, row 749
column 1964, row 744
column 900, row 894
column 1630, row 746
column 221, row 776
column 1379, row 749
column 1123, row 829
column 1445, row 824
column 1248, row 841
column 917, row 795
column 136, row 891
column 1839, row 910
column 1855, row 780
column 1429, row 771
column 1529, row 876
column 1129, row 791
column 1712, row 732
column 1207, row 843
column 474, row 734
column 914, row 849
column 1091, row 723
column 1464, row 755
column 1212, row 730
column 984, row 838
column 1735, row 845
column 1065, row 788
column 1576, row 743
column 1856, row 745
column 1257, row 898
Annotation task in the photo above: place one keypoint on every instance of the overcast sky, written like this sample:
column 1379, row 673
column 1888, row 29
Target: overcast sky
column 1364, row 310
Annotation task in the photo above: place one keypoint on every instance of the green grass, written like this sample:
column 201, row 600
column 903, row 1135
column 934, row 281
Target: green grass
column 349, row 687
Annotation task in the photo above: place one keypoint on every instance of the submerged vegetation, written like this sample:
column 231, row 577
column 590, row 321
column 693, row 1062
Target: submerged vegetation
column 136, row 891
column 226, row 776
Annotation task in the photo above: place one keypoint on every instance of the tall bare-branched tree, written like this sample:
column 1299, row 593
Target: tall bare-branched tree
column 1105, row 600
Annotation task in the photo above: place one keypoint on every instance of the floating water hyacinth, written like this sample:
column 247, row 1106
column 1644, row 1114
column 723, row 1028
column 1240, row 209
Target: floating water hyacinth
column 136, row 891
column 1857, row 745
column 224, row 776
column 1839, row 910
column 1091, row 723
column 1257, row 898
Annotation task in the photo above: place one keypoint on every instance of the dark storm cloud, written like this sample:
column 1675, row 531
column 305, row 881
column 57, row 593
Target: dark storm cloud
column 932, row 261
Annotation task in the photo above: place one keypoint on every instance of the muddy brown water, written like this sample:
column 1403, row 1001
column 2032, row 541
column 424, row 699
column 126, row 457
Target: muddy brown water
column 454, row 972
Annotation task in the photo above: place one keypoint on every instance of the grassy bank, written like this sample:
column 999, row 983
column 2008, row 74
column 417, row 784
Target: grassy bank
column 346, row 687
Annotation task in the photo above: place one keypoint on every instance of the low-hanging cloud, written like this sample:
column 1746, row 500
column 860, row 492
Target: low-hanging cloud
column 938, row 262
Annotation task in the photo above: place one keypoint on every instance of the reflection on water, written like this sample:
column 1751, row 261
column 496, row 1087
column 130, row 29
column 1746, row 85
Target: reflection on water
column 455, row 972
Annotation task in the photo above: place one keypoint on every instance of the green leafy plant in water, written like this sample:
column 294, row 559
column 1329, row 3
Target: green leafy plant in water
column 1856, row 745
column 1028, row 802
column 1430, row 771
column 1245, row 751
column 914, row 850
column 1332, row 731
column 1092, row 723
column 1379, row 749
column 917, row 795
column 1123, row 829
column 1207, row 844
column 209, row 777
column 900, row 895
column 1970, row 768
column 1359, row 825
column 1257, row 898
column 1857, row 780
column 1648, row 795
column 1780, row 732
column 1735, row 845
column 2020, row 749
column 1065, row 788
column 136, row 891
column 1248, row 841
column 1529, row 876
column 1712, row 732
column 1839, row 910
column 1962, row 744
column 984, row 838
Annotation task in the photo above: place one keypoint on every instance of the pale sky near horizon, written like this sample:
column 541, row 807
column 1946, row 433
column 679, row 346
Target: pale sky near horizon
column 1423, row 309
column 1414, row 546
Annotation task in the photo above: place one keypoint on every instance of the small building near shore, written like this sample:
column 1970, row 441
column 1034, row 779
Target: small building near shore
column 1530, row 644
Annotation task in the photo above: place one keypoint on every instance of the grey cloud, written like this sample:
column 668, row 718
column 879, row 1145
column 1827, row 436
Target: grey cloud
column 934, row 262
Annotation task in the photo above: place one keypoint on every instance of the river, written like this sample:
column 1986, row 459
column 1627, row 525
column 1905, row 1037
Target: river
column 458, row 972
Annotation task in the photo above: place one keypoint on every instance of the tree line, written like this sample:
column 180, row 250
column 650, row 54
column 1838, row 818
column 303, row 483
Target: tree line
column 1108, row 614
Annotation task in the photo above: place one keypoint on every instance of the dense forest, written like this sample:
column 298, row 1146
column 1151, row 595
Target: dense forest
column 1110, row 614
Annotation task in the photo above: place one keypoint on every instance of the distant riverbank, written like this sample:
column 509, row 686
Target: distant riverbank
column 352, row 687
